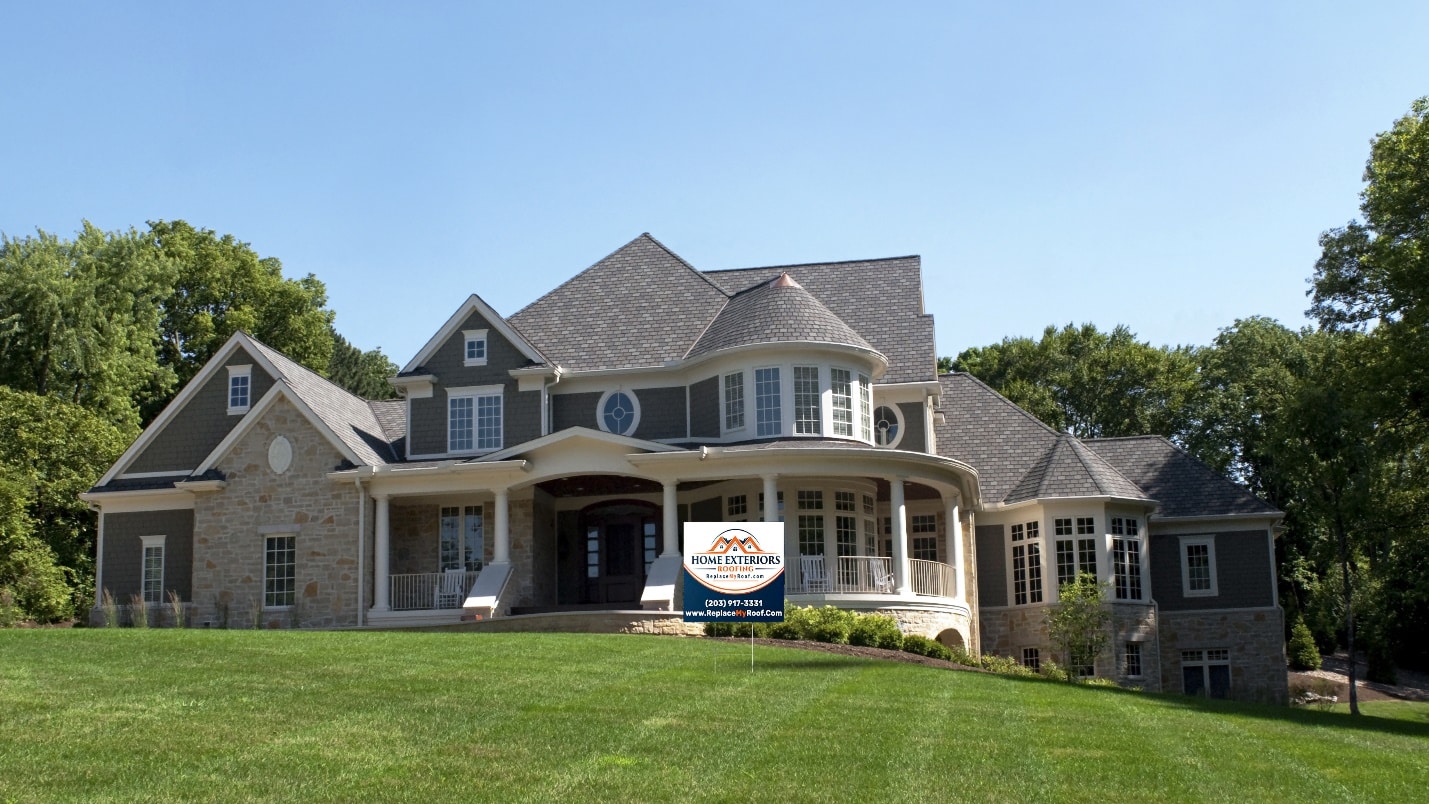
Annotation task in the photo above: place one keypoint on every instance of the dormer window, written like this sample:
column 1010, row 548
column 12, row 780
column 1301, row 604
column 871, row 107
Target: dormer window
column 619, row 412
column 474, row 353
column 240, row 389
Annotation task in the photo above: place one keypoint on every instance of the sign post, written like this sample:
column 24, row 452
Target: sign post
column 734, row 573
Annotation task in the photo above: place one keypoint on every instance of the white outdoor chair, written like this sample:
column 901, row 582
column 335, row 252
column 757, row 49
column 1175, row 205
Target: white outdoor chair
column 882, row 581
column 812, row 573
column 451, row 589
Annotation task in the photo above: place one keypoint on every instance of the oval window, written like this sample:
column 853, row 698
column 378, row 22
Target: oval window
column 619, row 413
column 887, row 426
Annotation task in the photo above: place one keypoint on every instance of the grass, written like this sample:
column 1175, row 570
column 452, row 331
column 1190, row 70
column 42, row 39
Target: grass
column 128, row 714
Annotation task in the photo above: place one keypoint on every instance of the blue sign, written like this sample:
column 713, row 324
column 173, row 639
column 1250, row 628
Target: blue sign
column 734, row 572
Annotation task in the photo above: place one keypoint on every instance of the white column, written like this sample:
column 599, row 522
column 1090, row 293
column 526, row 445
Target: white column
column 99, row 565
column 955, row 548
column 502, row 552
column 771, row 498
column 670, row 511
column 898, row 510
column 382, row 556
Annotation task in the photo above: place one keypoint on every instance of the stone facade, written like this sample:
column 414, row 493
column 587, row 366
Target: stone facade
column 1007, row 631
column 952, row 627
column 230, row 526
column 1255, row 639
column 588, row 622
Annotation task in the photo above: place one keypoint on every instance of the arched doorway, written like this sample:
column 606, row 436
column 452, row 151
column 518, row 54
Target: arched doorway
column 605, row 558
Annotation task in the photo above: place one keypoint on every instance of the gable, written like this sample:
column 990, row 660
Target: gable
column 201, row 421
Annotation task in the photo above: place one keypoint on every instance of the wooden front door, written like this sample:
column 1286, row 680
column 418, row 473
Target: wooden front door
column 615, row 539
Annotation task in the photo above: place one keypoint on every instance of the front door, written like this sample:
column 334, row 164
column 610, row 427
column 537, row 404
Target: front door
column 615, row 539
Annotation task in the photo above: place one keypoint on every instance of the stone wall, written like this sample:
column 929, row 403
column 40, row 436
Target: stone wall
column 1255, row 639
column 1005, row 632
column 587, row 622
column 230, row 527
column 940, row 624
column 414, row 531
column 521, row 589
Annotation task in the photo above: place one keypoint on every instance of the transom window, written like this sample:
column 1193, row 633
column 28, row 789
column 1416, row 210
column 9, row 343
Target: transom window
column 807, row 416
column 474, row 419
column 811, row 500
column 474, row 347
column 1026, row 563
column 152, row 582
column 841, row 386
column 737, row 505
column 240, row 388
column 734, row 401
column 1198, row 566
column 280, row 564
column 619, row 412
column 1086, row 525
column 767, row 410
column 462, row 538
column 845, row 501
column 1206, row 672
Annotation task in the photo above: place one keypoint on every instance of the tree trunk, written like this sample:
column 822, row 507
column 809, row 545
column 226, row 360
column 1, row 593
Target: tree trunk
column 1349, row 613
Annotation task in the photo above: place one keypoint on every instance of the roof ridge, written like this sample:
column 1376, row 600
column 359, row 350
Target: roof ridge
column 1005, row 400
column 1085, row 455
column 809, row 264
column 683, row 261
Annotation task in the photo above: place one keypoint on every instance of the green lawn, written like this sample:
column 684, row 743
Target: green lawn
column 100, row 714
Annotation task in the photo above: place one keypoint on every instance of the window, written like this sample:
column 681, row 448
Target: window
column 649, row 532
column 865, row 408
column 152, row 582
column 280, row 564
column 1206, row 672
column 1086, row 526
column 767, row 410
column 811, row 500
column 924, row 530
column 240, row 389
column 1026, row 563
column 1086, row 670
column 841, row 385
column 807, row 416
column 462, row 538
column 619, row 412
column 846, row 535
column 474, row 419
column 592, row 552
column 1032, row 659
column 1074, row 557
column 887, row 426
column 734, row 401
column 474, row 350
column 1062, row 526
column 1198, row 566
column 737, row 505
column 1126, row 558
column 1131, row 659
column 845, row 501
column 811, row 534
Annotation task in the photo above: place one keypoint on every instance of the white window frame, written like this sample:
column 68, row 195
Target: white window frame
column 1025, row 542
column 635, row 409
column 902, row 426
column 818, row 421
column 865, row 408
column 470, row 338
column 476, row 393
column 1140, row 659
column 734, row 420
column 471, row 556
column 244, row 373
column 151, row 543
column 842, row 403
column 1128, row 529
column 777, row 421
column 268, row 595
column 1209, row 542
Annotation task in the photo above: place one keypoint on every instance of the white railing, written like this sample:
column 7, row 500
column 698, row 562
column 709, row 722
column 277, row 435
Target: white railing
column 864, row 574
column 933, row 578
column 431, row 590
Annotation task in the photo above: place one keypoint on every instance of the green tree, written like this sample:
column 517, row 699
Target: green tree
column 31, row 580
column 1090, row 383
column 223, row 286
column 362, row 373
column 79, row 319
column 1077, row 625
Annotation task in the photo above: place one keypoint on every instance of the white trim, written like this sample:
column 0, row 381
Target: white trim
column 470, row 336
column 902, row 425
column 279, row 389
column 1172, row 613
column 128, row 502
column 278, row 530
column 147, row 475
column 474, row 393
column 234, row 373
column 147, row 542
column 579, row 432
column 474, row 304
column 634, row 400
column 1185, row 542
column 724, row 428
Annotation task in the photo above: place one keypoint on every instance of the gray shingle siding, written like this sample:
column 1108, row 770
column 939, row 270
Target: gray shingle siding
column 662, row 413
column 915, row 431
column 573, row 410
column 192, row 434
column 520, row 411
column 704, row 408
column 1243, row 578
column 124, row 555
column 991, row 566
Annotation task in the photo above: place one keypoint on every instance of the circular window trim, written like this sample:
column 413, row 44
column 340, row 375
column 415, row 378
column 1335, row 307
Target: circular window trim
column 280, row 455
column 635, row 409
column 902, row 426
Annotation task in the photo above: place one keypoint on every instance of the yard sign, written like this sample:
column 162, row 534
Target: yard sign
column 734, row 572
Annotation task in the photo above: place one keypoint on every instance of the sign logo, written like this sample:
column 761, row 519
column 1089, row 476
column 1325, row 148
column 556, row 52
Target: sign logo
column 734, row 571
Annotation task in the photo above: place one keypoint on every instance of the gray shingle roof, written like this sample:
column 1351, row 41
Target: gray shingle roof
column 1070, row 469
column 882, row 300
column 1182, row 485
column 777, row 311
column 984, row 429
column 350, row 417
column 640, row 306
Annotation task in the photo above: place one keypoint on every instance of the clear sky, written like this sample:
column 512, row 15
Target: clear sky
column 1164, row 166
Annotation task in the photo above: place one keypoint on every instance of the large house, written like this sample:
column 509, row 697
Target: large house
column 538, row 467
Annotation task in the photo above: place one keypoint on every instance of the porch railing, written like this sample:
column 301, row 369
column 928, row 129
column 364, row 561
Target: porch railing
column 933, row 578
column 430, row 590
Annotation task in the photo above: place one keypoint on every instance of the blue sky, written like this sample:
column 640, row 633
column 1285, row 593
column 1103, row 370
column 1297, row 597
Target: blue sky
column 1164, row 166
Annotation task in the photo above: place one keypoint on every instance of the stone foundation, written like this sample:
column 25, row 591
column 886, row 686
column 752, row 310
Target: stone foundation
column 586, row 622
column 1255, row 639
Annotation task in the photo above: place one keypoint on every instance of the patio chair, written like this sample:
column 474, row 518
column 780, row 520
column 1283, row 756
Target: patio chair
column 812, row 574
column 451, row 589
column 882, row 580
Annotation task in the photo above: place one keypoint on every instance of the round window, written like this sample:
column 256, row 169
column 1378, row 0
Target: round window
column 887, row 426
column 619, row 412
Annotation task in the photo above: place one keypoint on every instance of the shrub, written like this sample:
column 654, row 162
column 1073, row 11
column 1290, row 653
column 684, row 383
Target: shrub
column 832, row 625
column 875, row 631
column 923, row 646
column 138, row 612
column 10, row 614
column 1005, row 666
column 1303, row 653
column 1052, row 670
column 1099, row 682
column 784, row 630
column 962, row 657
column 717, row 629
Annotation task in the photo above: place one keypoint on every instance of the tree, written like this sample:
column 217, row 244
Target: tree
column 362, row 373
column 79, row 319
column 1090, row 383
column 223, row 286
column 32, row 584
column 1077, row 625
